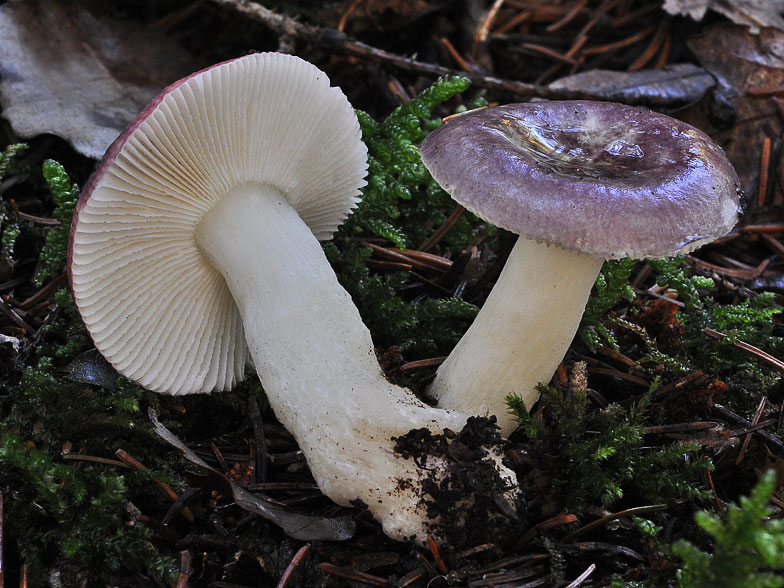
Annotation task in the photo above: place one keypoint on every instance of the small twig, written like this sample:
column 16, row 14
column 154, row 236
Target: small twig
column 436, row 262
column 582, row 577
column 290, row 570
column 712, row 486
column 610, row 548
column 12, row 314
column 681, row 427
column 436, row 237
column 551, row 53
column 391, row 266
column 287, row 486
column 96, row 459
column 634, row 16
column 692, row 378
column 513, row 22
column 361, row 577
column 763, row 175
column 171, row 494
column 638, row 510
column 333, row 39
column 433, row 546
column 185, row 569
column 664, row 54
column 630, row 40
column 43, row 293
column 351, row 9
column 455, row 55
column 656, row 42
column 410, row 578
column 751, row 428
column 745, row 274
column 765, row 91
column 416, row 259
column 727, row 413
column 772, row 228
column 776, row 245
column 754, row 421
column 556, row 521
column 566, row 18
column 422, row 363
column 780, row 421
column 32, row 218
column 597, row 15
column 487, row 22
column 773, row 362
column 621, row 375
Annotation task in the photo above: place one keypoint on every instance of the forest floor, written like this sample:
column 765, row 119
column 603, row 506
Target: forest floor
column 665, row 415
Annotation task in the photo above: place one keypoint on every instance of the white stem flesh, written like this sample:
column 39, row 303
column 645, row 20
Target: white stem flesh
column 521, row 333
column 315, row 358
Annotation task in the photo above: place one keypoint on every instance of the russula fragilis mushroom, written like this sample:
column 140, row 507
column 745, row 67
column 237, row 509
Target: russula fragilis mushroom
column 195, row 243
column 579, row 182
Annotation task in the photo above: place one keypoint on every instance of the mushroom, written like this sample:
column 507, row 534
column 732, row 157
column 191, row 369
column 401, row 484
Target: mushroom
column 195, row 243
column 579, row 182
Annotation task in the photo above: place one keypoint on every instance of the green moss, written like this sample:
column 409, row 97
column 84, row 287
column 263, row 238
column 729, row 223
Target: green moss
column 423, row 327
column 602, row 453
column 10, row 233
column 672, row 273
column 748, row 547
column 8, row 158
column 396, row 174
column 9, row 228
column 72, row 511
column 64, row 194
column 612, row 286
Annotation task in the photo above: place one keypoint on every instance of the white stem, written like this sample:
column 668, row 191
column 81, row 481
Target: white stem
column 315, row 357
column 521, row 334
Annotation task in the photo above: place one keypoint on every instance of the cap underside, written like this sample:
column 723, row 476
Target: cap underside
column 154, row 307
column 604, row 179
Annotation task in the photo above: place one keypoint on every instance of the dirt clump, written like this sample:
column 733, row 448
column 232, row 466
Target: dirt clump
column 472, row 503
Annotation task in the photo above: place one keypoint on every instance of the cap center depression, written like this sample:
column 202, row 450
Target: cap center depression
column 588, row 146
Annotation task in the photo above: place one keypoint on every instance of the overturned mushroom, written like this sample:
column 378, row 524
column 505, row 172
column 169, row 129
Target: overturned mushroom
column 580, row 182
column 195, row 243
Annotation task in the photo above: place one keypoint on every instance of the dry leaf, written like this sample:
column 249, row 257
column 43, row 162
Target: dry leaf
column 676, row 85
column 83, row 78
column 294, row 524
column 91, row 367
column 741, row 62
column 752, row 13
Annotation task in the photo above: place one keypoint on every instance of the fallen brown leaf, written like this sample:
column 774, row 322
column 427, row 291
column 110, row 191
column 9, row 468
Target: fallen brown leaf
column 82, row 77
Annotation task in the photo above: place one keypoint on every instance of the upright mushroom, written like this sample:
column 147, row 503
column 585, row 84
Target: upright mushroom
column 195, row 243
column 580, row 182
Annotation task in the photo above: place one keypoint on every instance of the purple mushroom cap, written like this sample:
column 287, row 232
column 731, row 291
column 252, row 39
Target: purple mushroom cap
column 604, row 179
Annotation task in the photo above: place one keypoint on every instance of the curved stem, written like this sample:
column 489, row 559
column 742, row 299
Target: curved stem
column 315, row 357
column 521, row 334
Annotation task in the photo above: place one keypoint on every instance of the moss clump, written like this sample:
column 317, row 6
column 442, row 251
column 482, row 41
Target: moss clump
column 748, row 547
column 602, row 453
column 9, row 228
column 612, row 286
column 396, row 173
column 73, row 512
column 64, row 194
